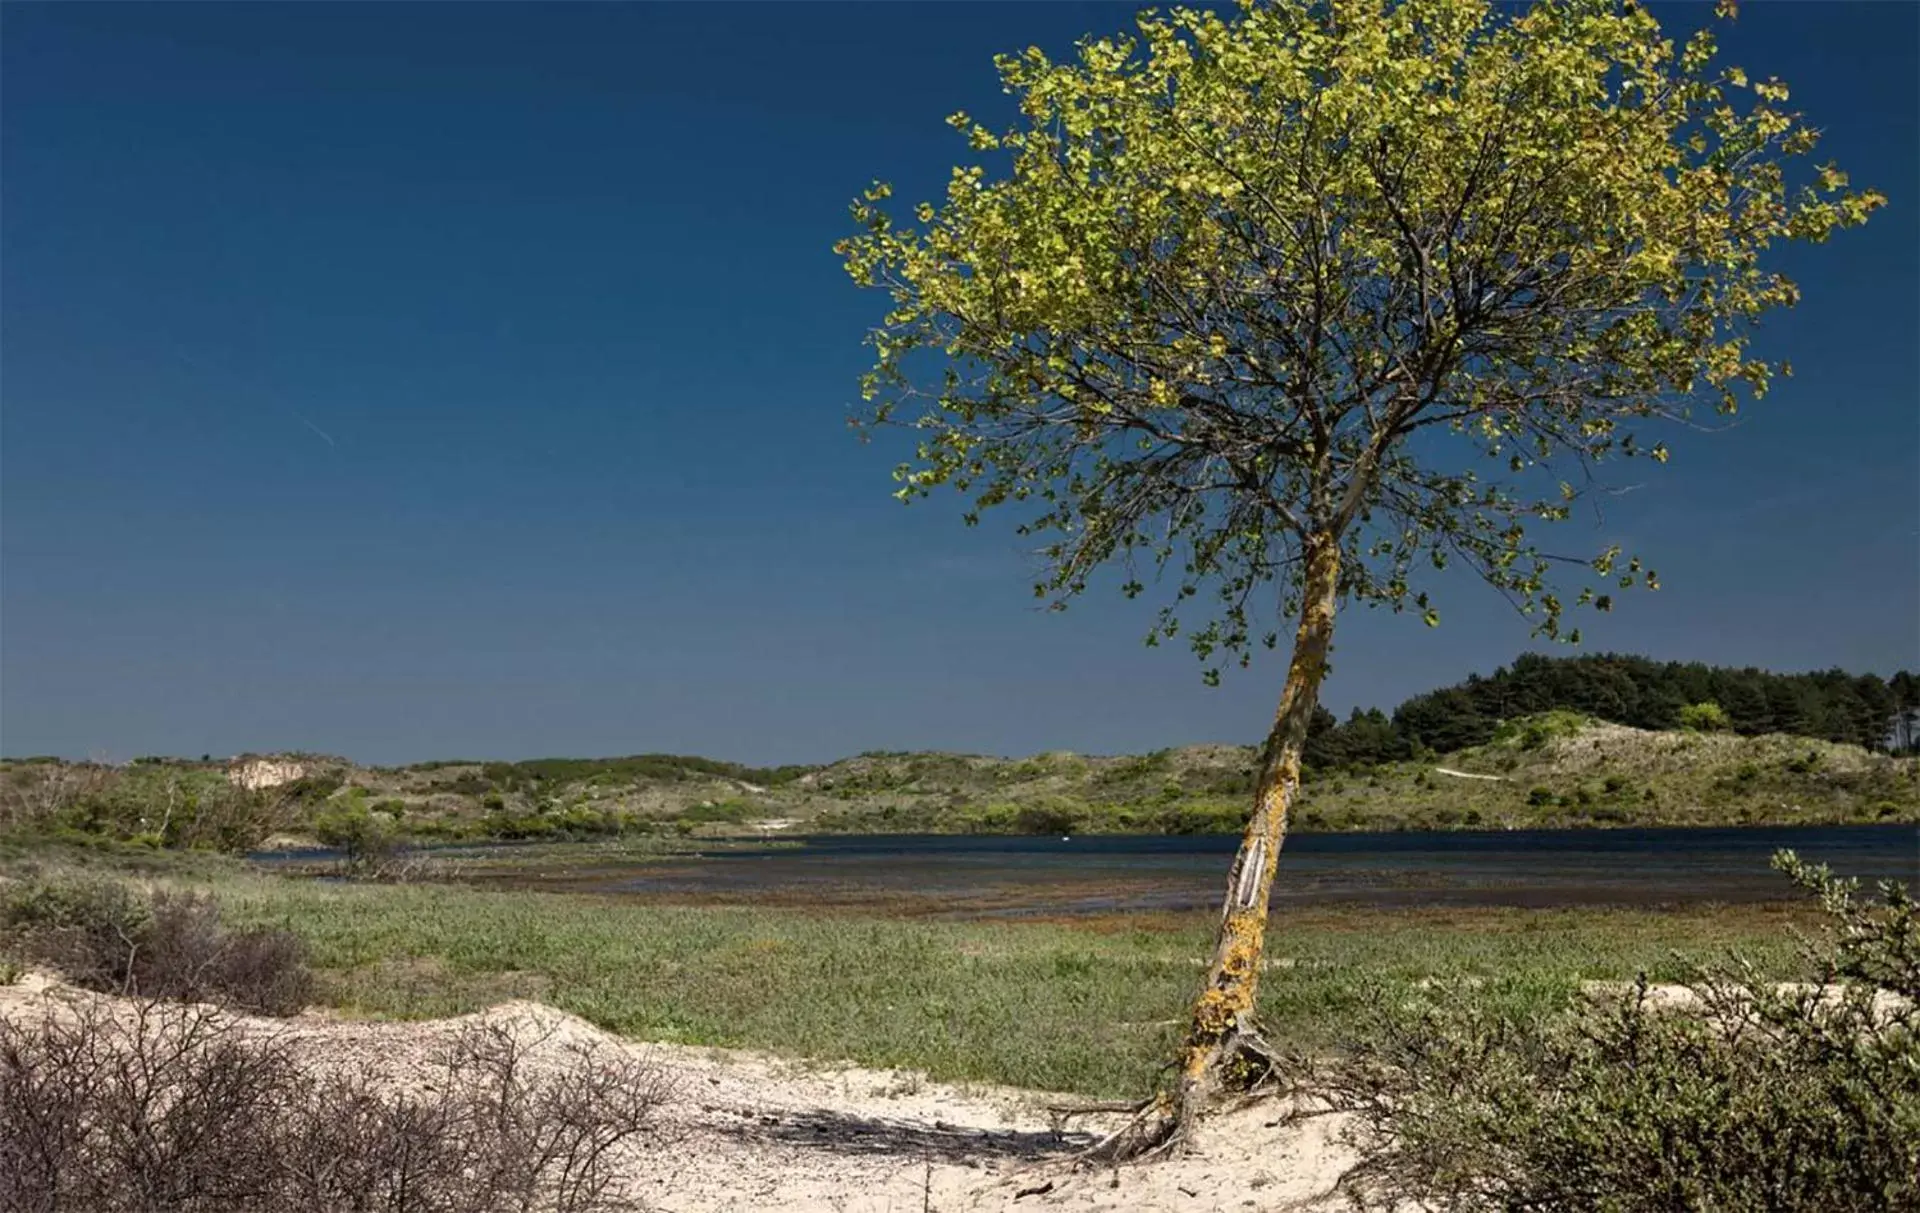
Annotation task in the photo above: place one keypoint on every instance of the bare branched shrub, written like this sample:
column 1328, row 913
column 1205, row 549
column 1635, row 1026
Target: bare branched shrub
column 1743, row 1095
column 89, row 928
column 165, row 1108
column 169, row 1108
column 227, row 817
column 105, row 936
column 189, row 955
column 564, row 1127
column 160, row 805
column 36, row 795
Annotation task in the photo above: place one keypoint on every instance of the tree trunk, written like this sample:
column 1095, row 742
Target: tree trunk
column 1222, row 1014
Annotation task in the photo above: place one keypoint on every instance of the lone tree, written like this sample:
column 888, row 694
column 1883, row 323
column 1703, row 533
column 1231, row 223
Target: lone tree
column 1283, row 307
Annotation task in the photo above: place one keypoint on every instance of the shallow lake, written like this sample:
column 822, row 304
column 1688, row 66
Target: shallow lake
column 975, row 876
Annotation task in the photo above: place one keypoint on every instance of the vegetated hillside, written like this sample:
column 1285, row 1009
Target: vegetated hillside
column 1588, row 740
column 1560, row 769
column 1552, row 770
column 1832, row 705
column 1197, row 789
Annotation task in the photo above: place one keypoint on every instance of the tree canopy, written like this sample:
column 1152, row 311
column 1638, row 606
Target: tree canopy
column 1392, row 276
column 1863, row 709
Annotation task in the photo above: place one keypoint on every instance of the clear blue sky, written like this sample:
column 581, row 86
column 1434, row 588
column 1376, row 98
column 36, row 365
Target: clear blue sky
column 411, row 381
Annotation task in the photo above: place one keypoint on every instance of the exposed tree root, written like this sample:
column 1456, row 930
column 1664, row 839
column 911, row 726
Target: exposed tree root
column 1148, row 1133
column 1244, row 1069
column 1059, row 1114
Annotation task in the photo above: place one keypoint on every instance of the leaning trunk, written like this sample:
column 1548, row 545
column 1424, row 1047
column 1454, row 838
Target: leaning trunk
column 1221, row 1022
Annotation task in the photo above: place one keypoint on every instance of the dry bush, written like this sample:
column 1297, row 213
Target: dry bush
column 105, row 936
column 175, row 1109
column 189, row 956
column 36, row 795
column 167, row 1109
column 87, row 927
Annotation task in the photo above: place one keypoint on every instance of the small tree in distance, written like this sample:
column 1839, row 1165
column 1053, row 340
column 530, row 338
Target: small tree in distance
column 1290, row 305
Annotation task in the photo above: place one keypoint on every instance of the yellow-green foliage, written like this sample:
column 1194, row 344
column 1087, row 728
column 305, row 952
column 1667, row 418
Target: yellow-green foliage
column 1705, row 718
column 1190, row 305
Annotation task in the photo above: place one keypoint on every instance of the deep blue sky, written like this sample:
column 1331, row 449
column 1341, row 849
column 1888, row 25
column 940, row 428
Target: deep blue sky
column 411, row 381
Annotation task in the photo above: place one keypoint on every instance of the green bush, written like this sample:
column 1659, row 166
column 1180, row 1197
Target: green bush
column 730, row 811
column 1805, row 765
column 312, row 789
column 1751, row 1096
column 518, row 827
column 1541, row 798
column 366, row 840
column 147, row 804
column 1534, row 732
column 989, row 819
column 1049, row 819
column 1707, row 717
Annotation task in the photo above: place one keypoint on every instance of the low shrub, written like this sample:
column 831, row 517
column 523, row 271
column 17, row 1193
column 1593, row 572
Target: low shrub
column 189, row 955
column 709, row 812
column 1050, row 818
column 103, row 935
column 312, row 789
column 90, row 928
column 1806, row 764
column 1752, row 1096
column 1534, row 732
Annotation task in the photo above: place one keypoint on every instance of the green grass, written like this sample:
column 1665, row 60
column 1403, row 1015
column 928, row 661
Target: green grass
column 1085, row 1006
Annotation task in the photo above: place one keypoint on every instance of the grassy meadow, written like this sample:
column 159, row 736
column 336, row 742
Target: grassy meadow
column 1082, row 1005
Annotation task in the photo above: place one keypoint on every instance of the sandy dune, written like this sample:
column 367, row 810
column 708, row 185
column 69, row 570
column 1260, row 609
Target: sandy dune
column 745, row 1131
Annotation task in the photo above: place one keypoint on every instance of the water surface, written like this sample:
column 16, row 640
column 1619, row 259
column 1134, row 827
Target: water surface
column 977, row 875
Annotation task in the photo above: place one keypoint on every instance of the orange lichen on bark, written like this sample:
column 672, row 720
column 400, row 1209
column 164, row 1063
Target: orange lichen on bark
column 1226, row 1004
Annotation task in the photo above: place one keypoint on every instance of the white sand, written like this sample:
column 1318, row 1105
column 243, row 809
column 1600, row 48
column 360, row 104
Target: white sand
column 745, row 1131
